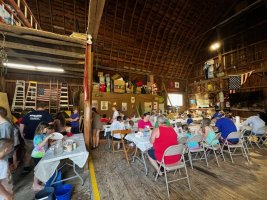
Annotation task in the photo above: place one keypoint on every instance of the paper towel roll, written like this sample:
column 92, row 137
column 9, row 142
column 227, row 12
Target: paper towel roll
column 237, row 119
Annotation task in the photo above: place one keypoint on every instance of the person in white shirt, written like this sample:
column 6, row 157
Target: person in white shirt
column 115, row 114
column 117, row 124
column 256, row 123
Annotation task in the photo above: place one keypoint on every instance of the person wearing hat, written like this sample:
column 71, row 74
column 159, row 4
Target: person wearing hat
column 162, row 137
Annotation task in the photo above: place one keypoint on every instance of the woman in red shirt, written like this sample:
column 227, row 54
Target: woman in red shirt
column 162, row 137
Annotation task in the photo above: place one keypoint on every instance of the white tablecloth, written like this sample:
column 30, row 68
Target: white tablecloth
column 141, row 143
column 49, row 163
column 194, row 128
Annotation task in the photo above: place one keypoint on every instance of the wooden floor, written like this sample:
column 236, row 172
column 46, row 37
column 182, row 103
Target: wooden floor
column 231, row 181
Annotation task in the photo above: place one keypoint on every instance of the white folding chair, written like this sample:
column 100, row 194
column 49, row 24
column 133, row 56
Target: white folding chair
column 215, row 148
column 240, row 144
column 172, row 151
column 200, row 149
column 262, row 137
column 246, row 134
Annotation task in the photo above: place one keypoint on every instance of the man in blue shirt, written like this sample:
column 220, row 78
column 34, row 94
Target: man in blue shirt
column 226, row 126
column 27, row 129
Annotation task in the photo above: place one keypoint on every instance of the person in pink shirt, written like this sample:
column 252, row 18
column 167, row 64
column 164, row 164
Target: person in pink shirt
column 144, row 123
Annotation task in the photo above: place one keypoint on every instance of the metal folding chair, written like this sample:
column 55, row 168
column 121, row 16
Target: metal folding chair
column 199, row 149
column 172, row 151
column 240, row 144
column 215, row 148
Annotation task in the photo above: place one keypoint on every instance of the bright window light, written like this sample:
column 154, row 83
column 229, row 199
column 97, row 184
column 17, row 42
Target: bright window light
column 50, row 69
column 176, row 99
column 215, row 46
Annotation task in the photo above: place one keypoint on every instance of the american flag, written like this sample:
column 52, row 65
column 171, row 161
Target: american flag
column 43, row 94
column 235, row 81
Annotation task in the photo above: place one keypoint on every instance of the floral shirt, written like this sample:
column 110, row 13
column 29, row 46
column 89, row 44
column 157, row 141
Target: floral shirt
column 38, row 152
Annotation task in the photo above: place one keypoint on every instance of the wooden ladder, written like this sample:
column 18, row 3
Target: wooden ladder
column 31, row 96
column 64, row 96
column 19, row 96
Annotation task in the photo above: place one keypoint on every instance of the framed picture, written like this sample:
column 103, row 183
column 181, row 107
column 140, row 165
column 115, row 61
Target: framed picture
column 95, row 104
column 104, row 105
column 123, row 106
column 132, row 99
column 176, row 84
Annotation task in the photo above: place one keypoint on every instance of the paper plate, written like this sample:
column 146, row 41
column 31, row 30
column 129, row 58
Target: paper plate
column 57, row 136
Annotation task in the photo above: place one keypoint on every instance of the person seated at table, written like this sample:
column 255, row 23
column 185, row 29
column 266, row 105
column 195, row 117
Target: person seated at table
column 40, row 143
column 60, row 123
column 208, row 132
column 117, row 124
column 225, row 126
column 188, row 135
column 256, row 123
column 144, row 123
column 217, row 113
column 189, row 119
column 104, row 119
column 162, row 137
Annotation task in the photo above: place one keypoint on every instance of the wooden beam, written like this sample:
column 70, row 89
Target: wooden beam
column 51, row 15
column 88, row 77
column 24, row 30
column 64, row 23
column 44, row 40
column 13, row 45
column 45, row 58
column 94, row 17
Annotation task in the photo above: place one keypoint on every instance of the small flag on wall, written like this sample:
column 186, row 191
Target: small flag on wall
column 235, row 81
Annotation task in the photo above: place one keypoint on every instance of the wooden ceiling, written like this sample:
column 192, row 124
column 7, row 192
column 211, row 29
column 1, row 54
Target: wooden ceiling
column 159, row 37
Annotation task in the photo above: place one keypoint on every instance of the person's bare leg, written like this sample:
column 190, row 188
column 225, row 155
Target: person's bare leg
column 94, row 138
column 97, row 137
column 154, row 164
column 36, row 186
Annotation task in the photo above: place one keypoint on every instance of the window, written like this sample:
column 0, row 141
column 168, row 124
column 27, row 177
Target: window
column 176, row 99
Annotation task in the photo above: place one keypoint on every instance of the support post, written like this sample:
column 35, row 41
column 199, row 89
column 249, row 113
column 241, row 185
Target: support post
column 88, row 75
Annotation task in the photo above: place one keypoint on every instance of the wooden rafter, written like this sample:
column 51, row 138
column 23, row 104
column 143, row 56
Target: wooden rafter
column 128, row 35
column 145, row 29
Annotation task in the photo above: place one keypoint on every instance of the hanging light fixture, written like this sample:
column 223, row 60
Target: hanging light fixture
column 215, row 46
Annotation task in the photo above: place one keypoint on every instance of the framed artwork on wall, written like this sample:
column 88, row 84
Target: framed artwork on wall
column 123, row 106
column 104, row 105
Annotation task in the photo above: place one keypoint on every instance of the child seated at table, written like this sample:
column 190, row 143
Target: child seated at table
column 40, row 142
column 6, row 147
column 208, row 132
column 188, row 134
column 189, row 119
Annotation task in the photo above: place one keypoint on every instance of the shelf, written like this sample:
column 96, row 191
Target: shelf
column 201, row 108
column 248, row 110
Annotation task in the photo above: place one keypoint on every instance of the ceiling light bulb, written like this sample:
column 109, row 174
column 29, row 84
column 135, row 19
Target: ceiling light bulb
column 215, row 46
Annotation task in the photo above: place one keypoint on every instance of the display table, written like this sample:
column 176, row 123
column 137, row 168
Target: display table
column 48, row 165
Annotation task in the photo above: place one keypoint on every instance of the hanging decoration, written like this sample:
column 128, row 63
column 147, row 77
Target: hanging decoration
column 3, row 56
column 235, row 81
